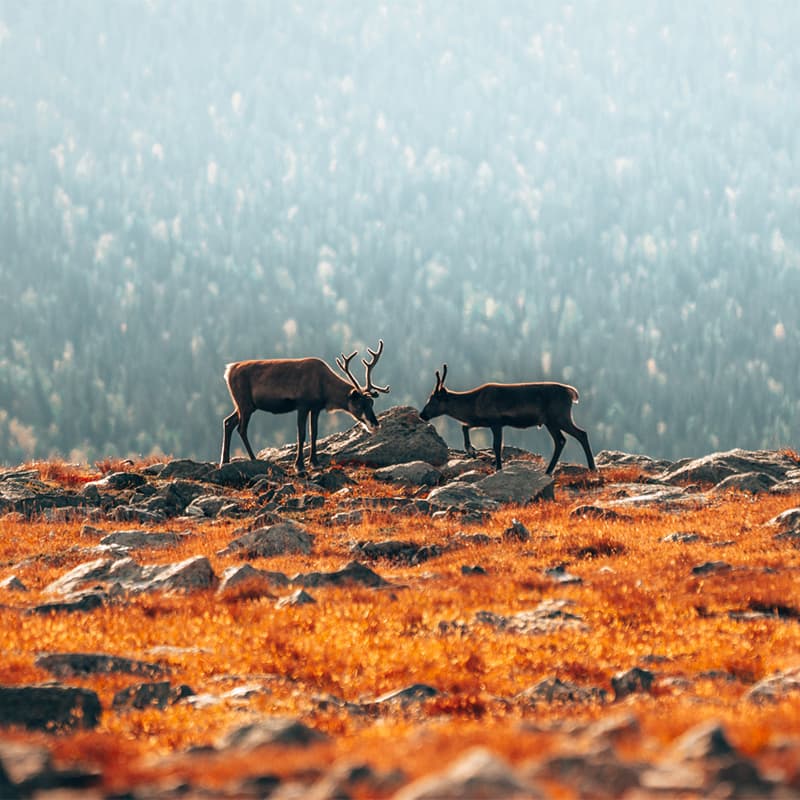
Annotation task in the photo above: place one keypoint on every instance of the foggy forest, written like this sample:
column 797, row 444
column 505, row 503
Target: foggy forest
column 601, row 193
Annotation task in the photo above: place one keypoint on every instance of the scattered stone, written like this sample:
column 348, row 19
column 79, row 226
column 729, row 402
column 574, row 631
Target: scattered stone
column 119, row 480
column 12, row 583
column 476, row 775
column 247, row 581
column 416, row 693
column 631, row 681
column 775, row 687
column 80, row 601
column 595, row 775
column 711, row 567
column 616, row 458
column 518, row 483
column 787, row 522
column 274, row 540
column 49, row 707
column 549, row 616
column 516, row 532
column 412, row 473
column 344, row 518
column 461, row 497
column 559, row 574
column 124, row 575
column 299, row 597
column 750, row 482
column 683, row 537
column 474, row 570
column 554, row 690
column 593, row 511
column 136, row 539
column 148, row 695
column 67, row 665
column 401, row 552
column 353, row 573
column 714, row 468
column 271, row 731
column 28, row 770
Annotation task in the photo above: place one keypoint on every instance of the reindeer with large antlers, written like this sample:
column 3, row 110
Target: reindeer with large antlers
column 520, row 405
column 305, row 385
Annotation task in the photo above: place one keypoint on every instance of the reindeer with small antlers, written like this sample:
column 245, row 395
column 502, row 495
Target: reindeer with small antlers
column 520, row 405
column 305, row 385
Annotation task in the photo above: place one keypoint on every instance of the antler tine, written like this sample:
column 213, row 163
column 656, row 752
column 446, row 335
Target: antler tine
column 440, row 383
column 343, row 362
column 376, row 354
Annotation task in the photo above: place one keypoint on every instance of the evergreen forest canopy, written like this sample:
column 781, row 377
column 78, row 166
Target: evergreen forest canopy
column 604, row 193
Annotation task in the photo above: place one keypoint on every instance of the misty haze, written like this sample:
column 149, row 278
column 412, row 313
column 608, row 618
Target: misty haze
column 597, row 193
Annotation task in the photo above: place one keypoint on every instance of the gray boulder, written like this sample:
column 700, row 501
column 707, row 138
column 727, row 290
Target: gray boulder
column 462, row 497
column 247, row 580
column 413, row 473
column 750, row 482
column 125, row 576
column 403, row 436
column 274, row 540
column 353, row 573
column 519, row 483
column 716, row 467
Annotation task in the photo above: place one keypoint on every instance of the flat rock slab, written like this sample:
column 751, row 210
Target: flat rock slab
column 64, row 665
column 412, row 473
column 461, row 497
column 518, row 483
column 49, row 707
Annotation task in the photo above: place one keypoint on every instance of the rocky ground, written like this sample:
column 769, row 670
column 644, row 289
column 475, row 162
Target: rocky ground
column 156, row 508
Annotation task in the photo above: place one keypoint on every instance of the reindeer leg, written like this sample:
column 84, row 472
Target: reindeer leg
column 471, row 451
column 314, row 424
column 244, row 421
column 558, row 440
column 302, row 416
column 497, row 445
column 228, row 424
column 573, row 430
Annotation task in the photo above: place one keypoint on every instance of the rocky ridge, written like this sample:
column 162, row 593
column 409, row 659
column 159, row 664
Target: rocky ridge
column 169, row 498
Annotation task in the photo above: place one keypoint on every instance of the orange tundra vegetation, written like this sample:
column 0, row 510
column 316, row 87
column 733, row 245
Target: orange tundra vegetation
column 639, row 600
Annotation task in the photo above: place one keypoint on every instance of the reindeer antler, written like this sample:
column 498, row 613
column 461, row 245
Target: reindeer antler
column 370, row 387
column 343, row 362
column 440, row 381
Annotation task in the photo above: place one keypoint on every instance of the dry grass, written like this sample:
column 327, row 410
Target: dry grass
column 638, row 597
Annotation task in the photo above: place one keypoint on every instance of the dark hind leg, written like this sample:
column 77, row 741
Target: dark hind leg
column 244, row 421
column 573, row 430
column 228, row 424
column 558, row 441
column 314, row 426
column 497, row 445
column 302, row 418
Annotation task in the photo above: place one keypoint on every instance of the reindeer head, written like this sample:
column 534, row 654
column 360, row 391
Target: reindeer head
column 361, row 398
column 437, row 402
